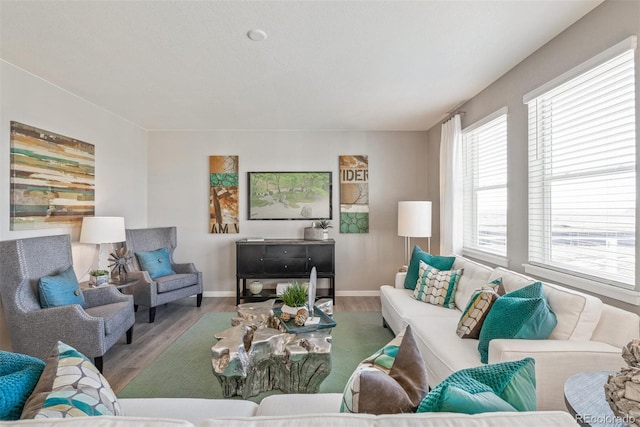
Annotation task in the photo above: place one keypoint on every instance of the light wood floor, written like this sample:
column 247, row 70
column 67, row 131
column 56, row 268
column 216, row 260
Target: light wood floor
column 123, row 362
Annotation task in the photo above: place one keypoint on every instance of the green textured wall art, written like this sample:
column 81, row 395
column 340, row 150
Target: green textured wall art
column 223, row 195
column 354, row 194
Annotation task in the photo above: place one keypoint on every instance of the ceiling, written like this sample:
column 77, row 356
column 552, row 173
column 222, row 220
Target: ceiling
column 325, row 65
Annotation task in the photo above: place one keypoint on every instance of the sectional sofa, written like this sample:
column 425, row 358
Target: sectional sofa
column 287, row 410
column 589, row 334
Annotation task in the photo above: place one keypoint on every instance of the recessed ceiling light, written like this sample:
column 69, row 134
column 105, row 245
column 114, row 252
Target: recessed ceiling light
column 257, row 35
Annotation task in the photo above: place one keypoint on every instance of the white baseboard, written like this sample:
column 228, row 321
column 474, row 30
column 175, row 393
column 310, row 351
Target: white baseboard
column 224, row 294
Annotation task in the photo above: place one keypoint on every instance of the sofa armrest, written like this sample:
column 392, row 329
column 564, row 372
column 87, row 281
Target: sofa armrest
column 400, row 276
column 185, row 268
column 103, row 295
column 556, row 361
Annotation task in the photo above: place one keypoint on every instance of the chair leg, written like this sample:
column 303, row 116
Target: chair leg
column 135, row 308
column 97, row 361
column 199, row 300
column 152, row 314
column 130, row 335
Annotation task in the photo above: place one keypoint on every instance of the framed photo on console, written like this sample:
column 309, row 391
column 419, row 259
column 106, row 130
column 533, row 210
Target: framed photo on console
column 290, row 195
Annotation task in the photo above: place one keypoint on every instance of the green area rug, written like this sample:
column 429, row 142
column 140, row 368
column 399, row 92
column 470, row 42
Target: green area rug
column 184, row 369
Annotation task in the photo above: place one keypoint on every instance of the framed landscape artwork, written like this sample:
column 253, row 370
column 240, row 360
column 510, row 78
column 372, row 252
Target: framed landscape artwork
column 52, row 179
column 290, row 195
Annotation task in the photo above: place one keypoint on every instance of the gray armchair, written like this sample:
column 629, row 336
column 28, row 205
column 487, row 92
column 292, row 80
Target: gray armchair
column 149, row 292
column 33, row 330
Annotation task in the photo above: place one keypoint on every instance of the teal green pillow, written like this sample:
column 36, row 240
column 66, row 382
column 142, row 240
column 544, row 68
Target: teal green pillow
column 59, row 290
column 156, row 263
column 436, row 261
column 521, row 314
column 507, row 386
column 19, row 374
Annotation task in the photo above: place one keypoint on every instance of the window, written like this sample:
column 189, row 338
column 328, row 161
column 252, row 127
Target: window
column 485, row 185
column 582, row 163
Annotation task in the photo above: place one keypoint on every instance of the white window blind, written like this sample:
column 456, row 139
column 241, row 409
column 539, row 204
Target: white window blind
column 582, row 179
column 485, row 185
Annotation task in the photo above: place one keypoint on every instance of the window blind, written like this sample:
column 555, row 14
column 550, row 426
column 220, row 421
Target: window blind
column 582, row 179
column 485, row 185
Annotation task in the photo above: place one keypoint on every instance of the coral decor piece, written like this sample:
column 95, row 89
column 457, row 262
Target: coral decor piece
column 622, row 390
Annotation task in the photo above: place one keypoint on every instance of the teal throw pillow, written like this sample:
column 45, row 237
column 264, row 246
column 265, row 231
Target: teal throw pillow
column 413, row 270
column 59, row 290
column 521, row 314
column 499, row 387
column 19, row 375
column 156, row 263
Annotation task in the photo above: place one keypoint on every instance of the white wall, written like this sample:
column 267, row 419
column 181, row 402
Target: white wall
column 121, row 154
column 179, row 189
column 606, row 25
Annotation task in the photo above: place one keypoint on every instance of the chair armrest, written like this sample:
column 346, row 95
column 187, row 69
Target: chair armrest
column 400, row 276
column 185, row 268
column 103, row 295
column 556, row 361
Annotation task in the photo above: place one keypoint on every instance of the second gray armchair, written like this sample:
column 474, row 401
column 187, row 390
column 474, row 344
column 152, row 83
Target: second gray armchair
column 160, row 279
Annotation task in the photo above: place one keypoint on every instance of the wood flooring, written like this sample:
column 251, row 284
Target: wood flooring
column 123, row 362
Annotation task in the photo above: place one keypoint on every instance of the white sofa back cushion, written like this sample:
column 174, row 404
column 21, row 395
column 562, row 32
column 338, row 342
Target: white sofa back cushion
column 578, row 314
column 474, row 276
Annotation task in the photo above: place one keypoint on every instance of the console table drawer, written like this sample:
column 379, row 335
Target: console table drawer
column 285, row 266
column 285, row 251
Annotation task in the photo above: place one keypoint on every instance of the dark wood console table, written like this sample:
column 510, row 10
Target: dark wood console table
column 283, row 259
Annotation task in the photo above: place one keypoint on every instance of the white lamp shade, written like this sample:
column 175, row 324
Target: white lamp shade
column 414, row 219
column 102, row 229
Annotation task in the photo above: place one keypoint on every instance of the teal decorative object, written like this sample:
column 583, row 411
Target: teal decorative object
column 507, row 386
column 156, row 263
column 352, row 223
column 521, row 314
column 59, row 290
column 437, row 261
column 19, row 374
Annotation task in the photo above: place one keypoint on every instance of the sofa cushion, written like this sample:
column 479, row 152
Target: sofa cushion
column 437, row 261
column 157, row 263
column 113, row 317
column 435, row 286
column 521, row 314
column 19, row 374
column 507, row 386
column 61, row 289
column 577, row 313
column 392, row 380
column 477, row 310
column 176, row 281
column 194, row 410
column 474, row 277
column 70, row 386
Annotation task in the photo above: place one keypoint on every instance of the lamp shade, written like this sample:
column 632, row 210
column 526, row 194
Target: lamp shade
column 102, row 229
column 414, row 219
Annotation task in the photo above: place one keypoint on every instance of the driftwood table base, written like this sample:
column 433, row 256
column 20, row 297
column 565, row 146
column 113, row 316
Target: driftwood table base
column 254, row 355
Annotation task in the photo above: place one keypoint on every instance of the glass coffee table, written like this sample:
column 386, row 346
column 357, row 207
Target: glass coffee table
column 258, row 354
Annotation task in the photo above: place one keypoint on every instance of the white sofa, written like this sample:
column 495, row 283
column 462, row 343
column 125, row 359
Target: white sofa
column 589, row 334
column 287, row 410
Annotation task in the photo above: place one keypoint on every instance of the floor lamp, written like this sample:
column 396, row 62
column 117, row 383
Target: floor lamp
column 100, row 230
column 414, row 220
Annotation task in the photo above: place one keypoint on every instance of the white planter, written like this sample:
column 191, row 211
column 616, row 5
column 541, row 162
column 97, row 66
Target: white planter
column 98, row 280
column 255, row 287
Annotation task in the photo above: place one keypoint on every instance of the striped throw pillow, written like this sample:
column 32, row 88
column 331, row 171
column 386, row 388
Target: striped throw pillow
column 477, row 309
column 435, row 286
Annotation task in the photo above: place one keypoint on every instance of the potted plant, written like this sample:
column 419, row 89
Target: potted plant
column 325, row 225
column 295, row 300
column 98, row 277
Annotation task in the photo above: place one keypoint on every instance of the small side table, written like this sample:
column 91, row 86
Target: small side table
column 585, row 400
column 119, row 284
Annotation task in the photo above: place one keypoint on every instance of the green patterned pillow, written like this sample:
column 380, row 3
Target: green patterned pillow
column 19, row 374
column 437, row 287
column 477, row 309
column 507, row 386
column 392, row 380
column 70, row 386
column 521, row 314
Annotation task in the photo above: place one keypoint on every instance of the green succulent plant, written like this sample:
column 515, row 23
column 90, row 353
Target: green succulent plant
column 99, row 273
column 295, row 295
column 324, row 224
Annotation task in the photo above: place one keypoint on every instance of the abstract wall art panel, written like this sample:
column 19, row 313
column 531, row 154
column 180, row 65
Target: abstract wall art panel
column 354, row 194
column 52, row 179
column 223, row 195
